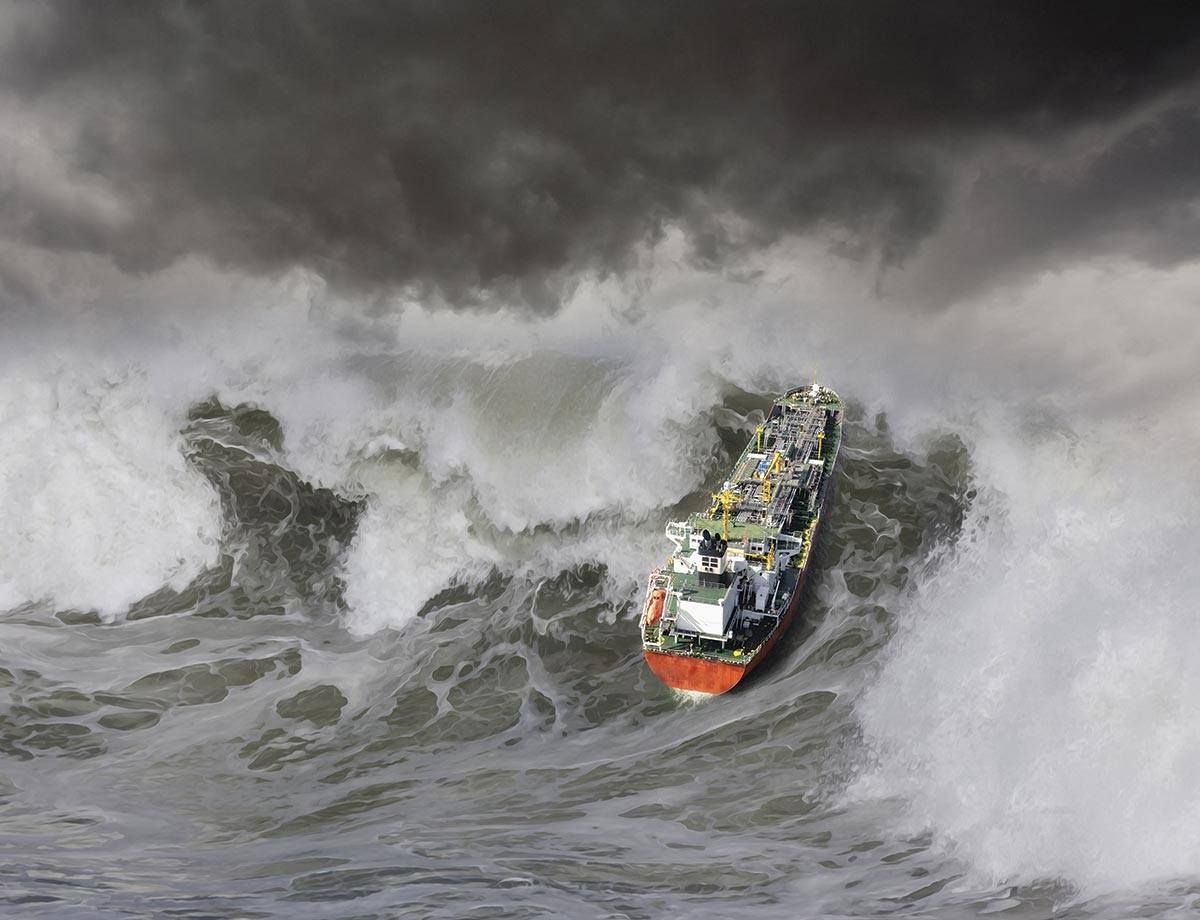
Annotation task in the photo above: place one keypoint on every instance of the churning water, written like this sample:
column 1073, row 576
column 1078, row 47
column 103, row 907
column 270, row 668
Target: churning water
column 333, row 630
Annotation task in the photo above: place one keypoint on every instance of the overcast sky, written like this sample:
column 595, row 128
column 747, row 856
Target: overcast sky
column 466, row 150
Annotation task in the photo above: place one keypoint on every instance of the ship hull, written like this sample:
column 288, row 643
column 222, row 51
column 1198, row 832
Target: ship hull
column 706, row 675
column 709, row 616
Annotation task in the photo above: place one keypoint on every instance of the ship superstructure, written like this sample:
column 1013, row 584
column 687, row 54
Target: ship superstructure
column 731, row 586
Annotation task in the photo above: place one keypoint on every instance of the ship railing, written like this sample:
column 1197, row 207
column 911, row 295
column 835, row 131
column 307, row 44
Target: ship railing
column 773, row 605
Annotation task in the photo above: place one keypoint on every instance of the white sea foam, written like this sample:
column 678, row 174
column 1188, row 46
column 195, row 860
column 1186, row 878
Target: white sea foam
column 530, row 449
column 98, row 504
column 1036, row 710
column 1033, row 710
column 413, row 541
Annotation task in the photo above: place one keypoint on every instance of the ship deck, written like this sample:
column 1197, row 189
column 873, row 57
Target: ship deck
column 690, row 589
column 738, row 530
column 739, row 652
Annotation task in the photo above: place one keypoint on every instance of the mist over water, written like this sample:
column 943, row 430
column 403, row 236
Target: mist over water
column 317, row 612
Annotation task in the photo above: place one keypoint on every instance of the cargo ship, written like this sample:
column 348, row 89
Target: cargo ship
column 732, row 584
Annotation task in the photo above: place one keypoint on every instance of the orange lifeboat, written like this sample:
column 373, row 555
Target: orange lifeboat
column 658, row 598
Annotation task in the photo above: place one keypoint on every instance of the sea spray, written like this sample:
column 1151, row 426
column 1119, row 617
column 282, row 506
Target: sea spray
column 99, row 505
column 496, row 709
column 1034, row 707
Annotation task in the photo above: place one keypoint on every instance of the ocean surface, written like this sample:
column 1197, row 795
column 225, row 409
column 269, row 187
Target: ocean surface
column 260, row 658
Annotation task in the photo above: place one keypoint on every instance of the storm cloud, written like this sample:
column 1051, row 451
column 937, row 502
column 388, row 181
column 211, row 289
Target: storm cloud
column 461, row 149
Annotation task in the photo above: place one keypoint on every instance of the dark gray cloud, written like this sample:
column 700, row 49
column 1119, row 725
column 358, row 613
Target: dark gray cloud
column 1137, row 195
column 466, row 146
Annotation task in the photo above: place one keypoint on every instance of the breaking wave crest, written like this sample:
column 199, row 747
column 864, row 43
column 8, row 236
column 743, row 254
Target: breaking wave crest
column 99, row 505
column 357, row 544
column 1035, row 709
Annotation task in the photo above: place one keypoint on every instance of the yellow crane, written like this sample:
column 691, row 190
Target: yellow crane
column 775, row 466
column 724, row 500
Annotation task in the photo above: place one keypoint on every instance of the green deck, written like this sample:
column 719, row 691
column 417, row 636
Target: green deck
column 701, row 521
column 690, row 589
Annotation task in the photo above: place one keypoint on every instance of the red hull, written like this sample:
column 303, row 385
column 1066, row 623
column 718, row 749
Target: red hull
column 705, row 675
